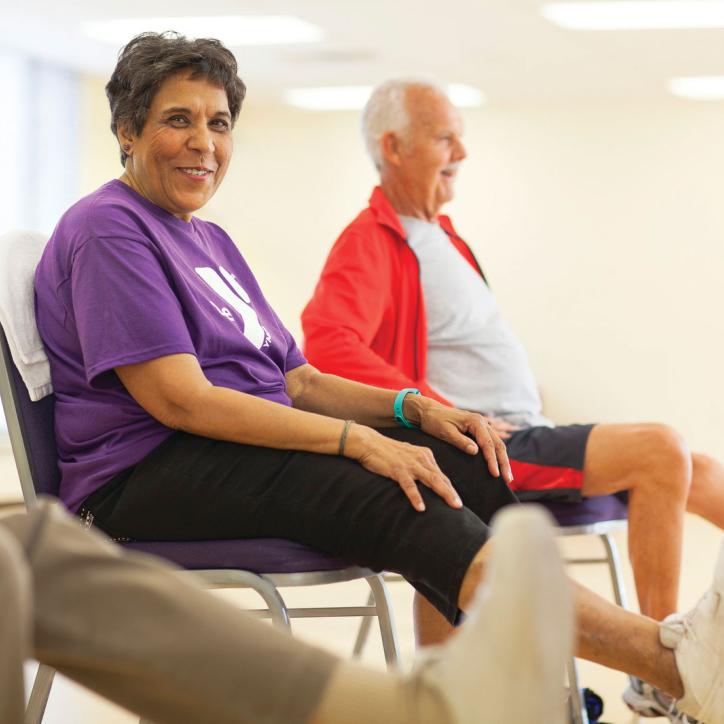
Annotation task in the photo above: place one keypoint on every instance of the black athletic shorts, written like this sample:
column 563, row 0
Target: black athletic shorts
column 195, row 488
column 547, row 462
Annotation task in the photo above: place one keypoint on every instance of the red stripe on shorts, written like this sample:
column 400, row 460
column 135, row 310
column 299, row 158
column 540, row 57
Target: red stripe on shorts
column 529, row 476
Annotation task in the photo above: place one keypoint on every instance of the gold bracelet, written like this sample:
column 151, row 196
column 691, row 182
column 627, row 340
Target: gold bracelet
column 343, row 438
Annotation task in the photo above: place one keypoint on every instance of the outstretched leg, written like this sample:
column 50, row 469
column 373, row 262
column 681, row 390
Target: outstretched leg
column 706, row 497
column 507, row 662
column 134, row 630
column 606, row 634
column 15, row 617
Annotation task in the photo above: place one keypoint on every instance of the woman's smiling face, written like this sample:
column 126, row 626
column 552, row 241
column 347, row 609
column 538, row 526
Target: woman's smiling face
column 183, row 151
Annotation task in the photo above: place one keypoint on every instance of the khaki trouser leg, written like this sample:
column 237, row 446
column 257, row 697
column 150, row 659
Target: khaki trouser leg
column 131, row 629
column 15, row 621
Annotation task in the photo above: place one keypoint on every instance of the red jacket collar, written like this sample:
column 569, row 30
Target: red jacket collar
column 386, row 215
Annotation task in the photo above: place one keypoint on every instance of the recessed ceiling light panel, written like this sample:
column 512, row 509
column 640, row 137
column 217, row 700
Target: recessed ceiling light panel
column 329, row 98
column 698, row 88
column 354, row 97
column 465, row 96
column 233, row 30
column 636, row 14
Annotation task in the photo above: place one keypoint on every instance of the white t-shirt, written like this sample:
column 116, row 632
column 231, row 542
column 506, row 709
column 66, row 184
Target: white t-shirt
column 474, row 359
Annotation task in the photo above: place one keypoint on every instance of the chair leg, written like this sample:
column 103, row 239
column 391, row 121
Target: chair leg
column 275, row 602
column 364, row 630
column 386, row 618
column 579, row 714
column 39, row 695
column 614, row 567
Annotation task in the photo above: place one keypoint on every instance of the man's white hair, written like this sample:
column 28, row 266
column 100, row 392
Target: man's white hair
column 386, row 111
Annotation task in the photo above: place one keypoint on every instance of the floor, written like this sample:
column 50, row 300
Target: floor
column 69, row 704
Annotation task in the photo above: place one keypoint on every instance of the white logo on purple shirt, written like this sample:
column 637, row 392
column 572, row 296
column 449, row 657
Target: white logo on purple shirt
column 236, row 297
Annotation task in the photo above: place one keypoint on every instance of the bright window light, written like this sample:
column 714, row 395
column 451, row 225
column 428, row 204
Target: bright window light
column 233, row 30
column 636, row 14
column 354, row 97
column 698, row 88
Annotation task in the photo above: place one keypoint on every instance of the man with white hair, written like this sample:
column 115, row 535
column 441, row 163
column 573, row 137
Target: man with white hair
column 403, row 303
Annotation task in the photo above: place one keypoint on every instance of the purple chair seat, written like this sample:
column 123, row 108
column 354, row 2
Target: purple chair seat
column 258, row 555
column 588, row 511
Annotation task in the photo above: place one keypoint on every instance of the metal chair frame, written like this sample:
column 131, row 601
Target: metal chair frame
column 266, row 585
column 604, row 530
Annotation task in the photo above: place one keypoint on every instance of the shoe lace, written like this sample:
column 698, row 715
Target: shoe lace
column 678, row 717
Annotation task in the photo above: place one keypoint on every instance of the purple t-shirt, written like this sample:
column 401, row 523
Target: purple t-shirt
column 123, row 281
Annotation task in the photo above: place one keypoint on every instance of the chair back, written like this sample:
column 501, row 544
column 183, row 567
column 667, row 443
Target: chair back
column 31, row 430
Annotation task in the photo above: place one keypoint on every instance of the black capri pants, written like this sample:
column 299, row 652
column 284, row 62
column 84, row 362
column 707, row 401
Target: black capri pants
column 196, row 488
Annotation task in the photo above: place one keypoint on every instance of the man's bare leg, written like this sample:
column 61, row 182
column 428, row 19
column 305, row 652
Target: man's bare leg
column 431, row 627
column 706, row 497
column 654, row 465
column 606, row 633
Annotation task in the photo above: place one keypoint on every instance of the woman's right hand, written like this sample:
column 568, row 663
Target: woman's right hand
column 404, row 463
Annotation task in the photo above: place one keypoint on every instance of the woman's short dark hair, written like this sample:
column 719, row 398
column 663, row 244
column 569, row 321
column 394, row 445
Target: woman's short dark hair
column 150, row 58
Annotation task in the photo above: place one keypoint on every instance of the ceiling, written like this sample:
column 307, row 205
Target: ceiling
column 503, row 47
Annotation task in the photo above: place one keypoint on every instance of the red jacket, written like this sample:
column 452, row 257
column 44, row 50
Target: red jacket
column 366, row 319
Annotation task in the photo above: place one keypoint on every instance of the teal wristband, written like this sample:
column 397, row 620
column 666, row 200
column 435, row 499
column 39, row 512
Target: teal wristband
column 400, row 418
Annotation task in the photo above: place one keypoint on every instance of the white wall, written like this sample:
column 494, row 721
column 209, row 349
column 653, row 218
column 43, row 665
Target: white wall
column 600, row 229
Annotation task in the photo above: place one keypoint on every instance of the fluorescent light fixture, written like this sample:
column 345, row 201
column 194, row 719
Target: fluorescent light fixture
column 329, row 98
column 698, row 88
column 636, row 14
column 354, row 97
column 233, row 30
column 465, row 96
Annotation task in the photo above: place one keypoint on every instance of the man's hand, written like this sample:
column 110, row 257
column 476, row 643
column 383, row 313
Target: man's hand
column 503, row 428
column 468, row 431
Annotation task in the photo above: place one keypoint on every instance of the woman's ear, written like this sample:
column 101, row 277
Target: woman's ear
column 125, row 139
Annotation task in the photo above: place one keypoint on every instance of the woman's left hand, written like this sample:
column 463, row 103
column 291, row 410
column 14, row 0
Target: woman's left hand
column 470, row 432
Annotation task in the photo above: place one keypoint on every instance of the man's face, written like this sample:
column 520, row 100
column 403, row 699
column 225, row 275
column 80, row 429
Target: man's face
column 431, row 152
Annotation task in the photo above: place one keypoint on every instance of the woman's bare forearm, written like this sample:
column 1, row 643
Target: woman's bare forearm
column 174, row 390
column 226, row 414
column 334, row 396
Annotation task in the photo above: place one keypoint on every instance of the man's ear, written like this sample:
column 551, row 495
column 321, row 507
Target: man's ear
column 391, row 147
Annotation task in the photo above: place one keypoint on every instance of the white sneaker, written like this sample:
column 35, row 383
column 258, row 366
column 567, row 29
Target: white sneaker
column 697, row 638
column 649, row 702
column 507, row 661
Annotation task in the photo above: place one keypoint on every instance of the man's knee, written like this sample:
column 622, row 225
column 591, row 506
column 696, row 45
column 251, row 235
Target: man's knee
column 665, row 454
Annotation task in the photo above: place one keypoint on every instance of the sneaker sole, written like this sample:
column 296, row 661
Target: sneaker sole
column 641, row 705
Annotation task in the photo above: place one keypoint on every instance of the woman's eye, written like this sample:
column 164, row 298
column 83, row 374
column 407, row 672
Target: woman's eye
column 220, row 124
column 178, row 120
